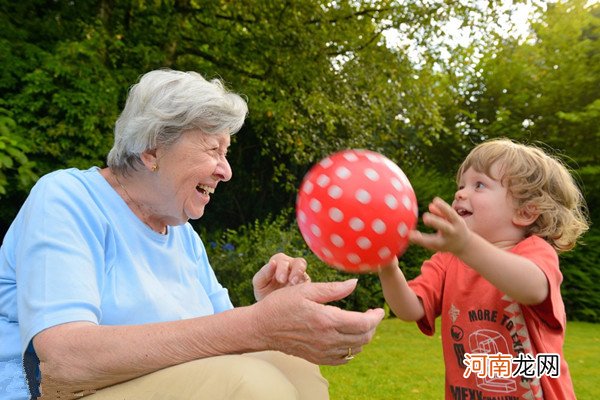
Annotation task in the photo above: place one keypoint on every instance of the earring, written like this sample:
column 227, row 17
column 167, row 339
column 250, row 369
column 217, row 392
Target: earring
column 154, row 168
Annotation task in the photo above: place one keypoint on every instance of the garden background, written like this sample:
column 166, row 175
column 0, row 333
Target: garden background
column 319, row 76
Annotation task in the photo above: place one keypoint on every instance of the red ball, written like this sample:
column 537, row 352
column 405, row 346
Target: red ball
column 355, row 209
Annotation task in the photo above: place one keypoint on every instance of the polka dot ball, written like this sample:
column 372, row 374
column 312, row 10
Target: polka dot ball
column 355, row 209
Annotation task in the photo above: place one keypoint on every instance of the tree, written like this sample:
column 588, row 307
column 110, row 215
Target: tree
column 546, row 90
column 318, row 76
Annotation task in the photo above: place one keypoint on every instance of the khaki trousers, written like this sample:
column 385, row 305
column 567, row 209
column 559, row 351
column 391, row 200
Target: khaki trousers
column 265, row 375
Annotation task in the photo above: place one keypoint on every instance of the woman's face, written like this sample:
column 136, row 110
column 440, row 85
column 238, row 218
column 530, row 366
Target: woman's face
column 188, row 173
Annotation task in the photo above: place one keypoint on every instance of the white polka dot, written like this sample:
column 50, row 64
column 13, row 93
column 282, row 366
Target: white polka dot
column 350, row 156
column 308, row 187
column 315, row 205
column 378, row 226
column 391, row 201
column 336, row 214
column 384, row 252
column 363, row 196
column 301, row 217
column 407, row 202
column 326, row 162
column 416, row 210
column 326, row 252
column 363, row 242
column 396, row 184
column 402, row 229
column 323, row 180
column 335, row 192
column 357, row 224
column 353, row 258
column 315, row 230
column 337, row 240
column 371, row 174
column 343, row 173
column 373, row 157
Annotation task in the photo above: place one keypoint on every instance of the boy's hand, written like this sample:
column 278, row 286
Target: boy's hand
column 452, row 232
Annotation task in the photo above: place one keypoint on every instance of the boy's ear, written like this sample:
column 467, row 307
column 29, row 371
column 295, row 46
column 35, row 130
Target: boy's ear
column 526, row 215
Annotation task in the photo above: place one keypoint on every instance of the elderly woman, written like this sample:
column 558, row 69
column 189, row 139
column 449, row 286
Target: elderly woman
column 106, row 290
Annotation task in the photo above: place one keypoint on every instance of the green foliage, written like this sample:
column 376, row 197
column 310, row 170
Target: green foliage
column 13, row 155
column 546, row 89
column 236, row 255
column 67, row 107
column 581, row 277
column 318, row 76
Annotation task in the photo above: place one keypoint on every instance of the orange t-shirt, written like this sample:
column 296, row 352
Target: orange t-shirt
column 482, row 328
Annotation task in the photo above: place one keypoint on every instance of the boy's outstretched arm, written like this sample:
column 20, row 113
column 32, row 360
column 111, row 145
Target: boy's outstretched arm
column 400, row 297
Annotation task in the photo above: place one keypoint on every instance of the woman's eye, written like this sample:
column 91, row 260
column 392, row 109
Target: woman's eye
column 219, row 152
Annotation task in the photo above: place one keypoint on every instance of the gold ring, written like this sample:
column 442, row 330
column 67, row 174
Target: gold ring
column 349, row 356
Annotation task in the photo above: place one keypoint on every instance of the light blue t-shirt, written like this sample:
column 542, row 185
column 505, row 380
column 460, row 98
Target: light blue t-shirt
column 76, row 252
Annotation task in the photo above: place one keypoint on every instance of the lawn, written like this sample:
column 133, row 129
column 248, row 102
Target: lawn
column 402, row 363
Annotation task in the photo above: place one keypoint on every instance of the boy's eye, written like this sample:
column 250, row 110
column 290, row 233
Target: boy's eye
column 479, row 185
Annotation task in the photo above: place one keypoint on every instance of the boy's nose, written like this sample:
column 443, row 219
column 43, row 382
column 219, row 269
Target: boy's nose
column 460, row 194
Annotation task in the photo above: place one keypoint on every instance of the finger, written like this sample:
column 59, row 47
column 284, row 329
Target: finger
column 356, row 326
column 346, row 354
column 299, row 277
column 298, row 271
column 325, row 292
column 446, row 210
column 417, row 238
column 434, row 208
column 439, row 223
column 264, row 275
column 282, row 271
column 429, row 241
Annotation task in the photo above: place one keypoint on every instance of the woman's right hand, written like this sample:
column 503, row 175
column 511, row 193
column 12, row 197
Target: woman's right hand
column 296, row 321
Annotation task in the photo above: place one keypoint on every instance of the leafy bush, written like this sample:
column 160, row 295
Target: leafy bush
column 581, row 275
column 13, row 155
column 236, row 255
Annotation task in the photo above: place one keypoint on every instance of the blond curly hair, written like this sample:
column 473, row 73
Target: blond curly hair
column 538, row 181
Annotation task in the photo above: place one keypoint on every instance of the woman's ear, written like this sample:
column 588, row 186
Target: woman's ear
column 150, row 159
column 526, row 215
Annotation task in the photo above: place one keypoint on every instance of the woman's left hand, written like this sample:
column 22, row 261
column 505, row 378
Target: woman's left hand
column 281, row 270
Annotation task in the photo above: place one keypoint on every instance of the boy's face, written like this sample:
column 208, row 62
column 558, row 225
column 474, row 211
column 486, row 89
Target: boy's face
column 487, row 207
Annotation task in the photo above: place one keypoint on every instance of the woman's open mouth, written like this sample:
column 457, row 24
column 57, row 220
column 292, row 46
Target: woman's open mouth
column 203, row 189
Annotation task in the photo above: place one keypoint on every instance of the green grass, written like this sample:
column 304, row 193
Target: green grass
column 403, row 363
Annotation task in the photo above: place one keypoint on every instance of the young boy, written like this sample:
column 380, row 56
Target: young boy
column 495, row 278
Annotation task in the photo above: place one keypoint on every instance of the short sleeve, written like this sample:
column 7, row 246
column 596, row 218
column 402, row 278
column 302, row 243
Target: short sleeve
column 540, row 252
column 218, row 295
column 58, row 253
